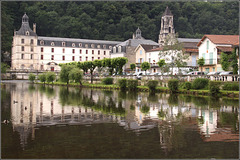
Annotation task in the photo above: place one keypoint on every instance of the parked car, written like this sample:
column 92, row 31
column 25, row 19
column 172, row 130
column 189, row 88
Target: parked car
column 213, row 73
column 226, row 73
column 154, row 74
column 191, row 73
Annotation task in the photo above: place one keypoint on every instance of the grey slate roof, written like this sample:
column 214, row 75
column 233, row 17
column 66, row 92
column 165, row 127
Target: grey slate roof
column 25, row 27
column 136, row 42
column 188, row 40
column 167, row 12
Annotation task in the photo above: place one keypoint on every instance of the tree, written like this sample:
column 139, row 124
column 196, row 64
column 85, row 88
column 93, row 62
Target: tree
column 234, row 62
column 133, row 66
column 42, row 77
column 76, row 74
column 64, row 73
column 32, row 77
column 121, row 61
column 145, row 66
column 107, row 63
column 82, row 66
column 161, row 63
column 225, row 61
column 201, row 63
column 99, row 65
column 4, row 67
column 91, row 66
column 50, row 77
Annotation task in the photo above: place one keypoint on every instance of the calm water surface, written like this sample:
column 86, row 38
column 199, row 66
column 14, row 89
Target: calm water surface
column 60, row 122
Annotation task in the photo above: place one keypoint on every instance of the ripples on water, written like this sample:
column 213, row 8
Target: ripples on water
column 60, row 122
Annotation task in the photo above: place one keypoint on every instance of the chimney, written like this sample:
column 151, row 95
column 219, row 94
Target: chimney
column 129, row 42
column 34, row 27
column 133, row 36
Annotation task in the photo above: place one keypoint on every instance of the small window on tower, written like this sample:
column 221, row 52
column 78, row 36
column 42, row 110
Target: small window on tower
column 22, row 56
column 22, row 48
column 22, row 41
column 31, row 49
column 31, row 41
column 31, row 56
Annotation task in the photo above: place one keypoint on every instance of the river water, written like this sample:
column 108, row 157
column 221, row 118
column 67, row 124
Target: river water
column 59, row 122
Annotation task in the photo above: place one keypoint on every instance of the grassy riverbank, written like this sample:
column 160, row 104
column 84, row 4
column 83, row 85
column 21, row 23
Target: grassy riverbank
column 230, row 94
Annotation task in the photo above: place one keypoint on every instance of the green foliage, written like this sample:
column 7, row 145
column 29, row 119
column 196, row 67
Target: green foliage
column 225, row 61
column 133, row 66
column 145, row 66
column 161, row 63
column 64, row 73
column 122, row 83
column 50, row 77
column 120, row 62
column 234, row 62
column 32, row 77
column 187, row 85
column 161, row 114
column 132, row 84
column 42, row 77
column 230, row 86
column 76, row 75
column 200, row 83
column 107, row 80
column 4, row 67
column 173, row 85
column 201, row 62
column 152, row 84
column 214, row 87
column 145, row 109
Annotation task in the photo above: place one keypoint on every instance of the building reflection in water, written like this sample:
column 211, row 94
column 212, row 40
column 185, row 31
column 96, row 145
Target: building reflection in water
column 46, row 106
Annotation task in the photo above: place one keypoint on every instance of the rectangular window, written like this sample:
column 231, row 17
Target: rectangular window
column 52, row 68
column 104, row 52
column 63, row 50
column 80, row 58
column 52, row 57
column 31, row 41
column 41, row 49
column 73, row 58
column 140, row 52
column 73, row 50
column 80, row 51
column 31, row 56
column 92, row 58
column 63, row 58
column 22, row 40
column 86, row 51
column 22, row 48
column 92, row 51
column 52, row 50
column 22, row 56
column 98, row 52
column 86, row 58
column 41, row 57
column 207, row 45
column 31, row 49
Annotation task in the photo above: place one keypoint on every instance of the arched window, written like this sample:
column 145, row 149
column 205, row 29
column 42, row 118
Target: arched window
column 41, row 42
column 73, row 44
column 86, row 45
column 98, row 46
column 104, row 46
column 92, row 45
column 114, row 49
column 80, row 44
column 63, row 44
column 52, row 43
column 27, row 33
column 119, row 48
column 110, row 47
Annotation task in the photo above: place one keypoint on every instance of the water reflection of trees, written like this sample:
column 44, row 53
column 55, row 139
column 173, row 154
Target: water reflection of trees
column 49, row 91
column 103, row 104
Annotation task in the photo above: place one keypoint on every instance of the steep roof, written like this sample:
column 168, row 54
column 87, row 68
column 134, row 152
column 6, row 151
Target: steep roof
column 167, row 12
column 25, row 27
column 221, row 39
column 148, row 47
column 136, row 42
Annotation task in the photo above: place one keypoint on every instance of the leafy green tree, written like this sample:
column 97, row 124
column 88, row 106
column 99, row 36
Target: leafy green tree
column 4, row 67
column 121, row 61
column 50, row 77
column 64, row 73
column 234, row 62
column 107, row 63
column 161, row 63
column 133, row 66
column 76, row 74
column 145, row 66
column 32, row 77
column 91, row 66
column 42, row 77
column 82, row 66
column 201, row 62
column 99, row 65
column 225, row 61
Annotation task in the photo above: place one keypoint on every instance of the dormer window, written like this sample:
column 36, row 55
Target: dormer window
column 86, row 45
column 41, row 42
column 52, row 43
column 114, row 49
column 104, row 46
column 80, row 44
column 92, row 45
column 27, row 33
column 63, row 44
column 98, row 46
column 110, row 47
column 119, row 49
column 73, row 44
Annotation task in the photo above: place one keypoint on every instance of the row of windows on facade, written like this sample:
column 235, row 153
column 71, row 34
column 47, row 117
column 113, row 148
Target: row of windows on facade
column 23, row 41
column 73, row 51
column 23, row 49
column 63, row 57
column 86, row 46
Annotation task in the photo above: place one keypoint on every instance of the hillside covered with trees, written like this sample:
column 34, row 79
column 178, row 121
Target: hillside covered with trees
column 118, row 20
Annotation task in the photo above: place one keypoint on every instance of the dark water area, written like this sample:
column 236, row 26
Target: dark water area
column 48, row 122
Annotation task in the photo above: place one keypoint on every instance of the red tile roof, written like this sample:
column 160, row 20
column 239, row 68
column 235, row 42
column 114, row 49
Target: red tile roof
column 221, row 39
column 225, row 49
column 156, row 49
column 191, row 50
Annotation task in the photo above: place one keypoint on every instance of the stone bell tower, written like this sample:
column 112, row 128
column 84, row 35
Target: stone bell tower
column 167, row 31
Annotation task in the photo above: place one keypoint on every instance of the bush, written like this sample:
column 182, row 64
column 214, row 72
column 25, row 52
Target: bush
column 187, row 85
column 122, row 83
column 152, row 84
column 50, row 77
column 214, row 87
column 200, row 83
column 31, row 77
column 42, row 77
column 107, row 81
column 231, row 87
column 132, row 84
column 173, row 85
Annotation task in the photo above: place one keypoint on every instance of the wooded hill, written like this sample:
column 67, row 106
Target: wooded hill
column 118, row 20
